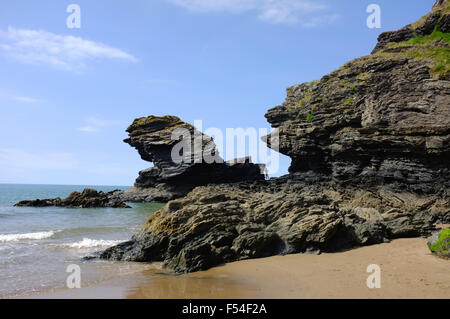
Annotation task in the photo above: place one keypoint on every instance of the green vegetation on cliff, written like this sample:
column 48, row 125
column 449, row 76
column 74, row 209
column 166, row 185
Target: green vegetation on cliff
column 434, row 47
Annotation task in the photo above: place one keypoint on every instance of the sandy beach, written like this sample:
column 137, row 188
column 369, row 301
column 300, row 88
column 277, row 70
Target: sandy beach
column 408, row 270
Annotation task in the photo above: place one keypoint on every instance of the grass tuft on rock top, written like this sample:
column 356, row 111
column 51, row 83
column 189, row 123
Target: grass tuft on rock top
column 167, row 121
column 160, row 119
column 433, row 47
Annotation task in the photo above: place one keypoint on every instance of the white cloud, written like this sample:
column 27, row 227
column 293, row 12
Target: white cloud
column 217, row 5
column 88, row 129
column 59, row 51
column 320, row 20
column 18, row 98
column 272, row 11
column 94, row 124
column 20, row 159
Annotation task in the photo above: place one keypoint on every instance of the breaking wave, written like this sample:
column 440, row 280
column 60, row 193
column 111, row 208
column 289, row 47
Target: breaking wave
column 26, row 236
column 91, row 243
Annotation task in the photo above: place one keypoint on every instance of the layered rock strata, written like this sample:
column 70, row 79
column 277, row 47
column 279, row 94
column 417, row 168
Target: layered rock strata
column 297, row 214
column 383, row 118
column 370, row 150
column 155, row 139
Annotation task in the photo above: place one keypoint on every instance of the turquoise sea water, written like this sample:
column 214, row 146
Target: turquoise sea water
column 37, row 244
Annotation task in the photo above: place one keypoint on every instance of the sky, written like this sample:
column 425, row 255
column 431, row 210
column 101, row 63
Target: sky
column 67, row 95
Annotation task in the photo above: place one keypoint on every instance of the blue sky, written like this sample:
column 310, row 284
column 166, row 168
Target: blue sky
column 67, row 95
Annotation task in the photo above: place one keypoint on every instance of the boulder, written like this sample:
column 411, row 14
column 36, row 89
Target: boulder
column 439, row 243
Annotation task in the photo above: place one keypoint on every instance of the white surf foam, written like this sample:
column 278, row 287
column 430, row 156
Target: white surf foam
column 91, row 243
column 26, row 236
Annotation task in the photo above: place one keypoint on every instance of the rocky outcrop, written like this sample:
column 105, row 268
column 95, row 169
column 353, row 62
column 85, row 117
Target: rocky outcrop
column 439, row 3
column 439, row 243
column 200, row 164
column 370, row 150
column 379, row 119
column 88, row 198
column 437, row 19
column 300, row 213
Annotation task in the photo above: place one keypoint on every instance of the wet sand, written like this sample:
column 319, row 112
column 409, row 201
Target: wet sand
column 408, row 270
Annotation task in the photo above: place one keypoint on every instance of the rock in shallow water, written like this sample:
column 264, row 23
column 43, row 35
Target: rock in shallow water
column 88, row 198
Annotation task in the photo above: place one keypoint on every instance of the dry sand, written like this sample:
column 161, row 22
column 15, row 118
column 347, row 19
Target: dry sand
column 408, row 270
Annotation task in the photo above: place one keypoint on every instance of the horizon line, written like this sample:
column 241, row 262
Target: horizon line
column 49, row 184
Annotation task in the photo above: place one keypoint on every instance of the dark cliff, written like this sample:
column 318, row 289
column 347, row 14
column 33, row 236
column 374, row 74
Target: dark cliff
column 383, row 118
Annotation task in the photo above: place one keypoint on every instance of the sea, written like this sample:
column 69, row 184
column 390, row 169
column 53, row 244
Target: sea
column 40, row 246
